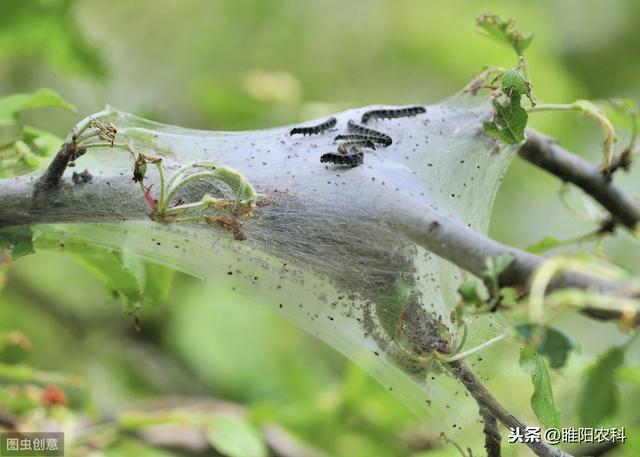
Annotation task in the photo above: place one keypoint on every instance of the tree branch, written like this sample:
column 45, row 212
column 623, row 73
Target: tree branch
column 543, row 152
column 52, row 175
column 453, row 240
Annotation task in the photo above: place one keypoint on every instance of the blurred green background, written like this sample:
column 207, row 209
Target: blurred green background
column 247, row 64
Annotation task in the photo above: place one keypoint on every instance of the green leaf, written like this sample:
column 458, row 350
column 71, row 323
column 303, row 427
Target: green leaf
column 30, row 150
column 105, row 264
column 599, row 395
column 156, row 279
column 44, row 98
column 494, row 266
column 15, row 346
column 17, row 240
column 157, row 282
column 512, row 81
column 49, row 30
column 233, row 437
column 469, row 293
column 509, row 120
column 508, row 296
column 548, row 341
column 504, row 32
column 43, row 143
column 25, row 154
column 545, row 244
column 542, row 399
column 629, row 374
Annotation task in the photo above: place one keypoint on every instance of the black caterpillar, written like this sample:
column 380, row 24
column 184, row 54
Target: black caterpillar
column 343, row 147
column 314, row 129
column 353, row 157
column 392, row 113
column 378, row 137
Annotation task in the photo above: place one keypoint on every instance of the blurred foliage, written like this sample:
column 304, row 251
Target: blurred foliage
column 48, row 29
column 230, row 64
column 24, row 148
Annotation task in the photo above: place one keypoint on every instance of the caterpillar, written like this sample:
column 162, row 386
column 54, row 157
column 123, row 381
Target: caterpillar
column 315, row 129
column 378, row 137
column 353, row 157
column 392, row 113
column 344, row 146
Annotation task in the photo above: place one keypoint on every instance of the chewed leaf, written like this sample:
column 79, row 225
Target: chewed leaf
column 44, row 98
column 512, row 82
column 542, row 401
column 504, row 32
column 509, row 121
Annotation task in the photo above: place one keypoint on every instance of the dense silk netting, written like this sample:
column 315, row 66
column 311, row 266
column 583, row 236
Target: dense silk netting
column 326, row 247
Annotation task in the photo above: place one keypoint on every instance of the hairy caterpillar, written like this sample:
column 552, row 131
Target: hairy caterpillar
column 353, row 157
column 343, row 147
column 381, row 138
column 315, row 129
column 392, row 113
column 363, row 137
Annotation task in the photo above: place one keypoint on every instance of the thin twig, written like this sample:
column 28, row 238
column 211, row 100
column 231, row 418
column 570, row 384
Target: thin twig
column 52, row 175
column 491, row 433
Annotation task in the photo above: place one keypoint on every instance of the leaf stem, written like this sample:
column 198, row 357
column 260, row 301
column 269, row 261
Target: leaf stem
column 462, row 355
column 589, row 109
column 161, row 202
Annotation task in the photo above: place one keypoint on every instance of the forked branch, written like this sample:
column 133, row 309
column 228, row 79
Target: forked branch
column 545, row 153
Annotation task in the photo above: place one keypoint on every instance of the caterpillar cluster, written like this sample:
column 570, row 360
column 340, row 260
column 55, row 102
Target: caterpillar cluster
column 378, row 137
column 392, row 113
column 315, row 129
column 349, row 150
column 352, row 157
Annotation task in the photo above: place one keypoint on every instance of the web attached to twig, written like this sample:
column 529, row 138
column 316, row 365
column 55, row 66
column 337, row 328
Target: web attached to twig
column 321, row 244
